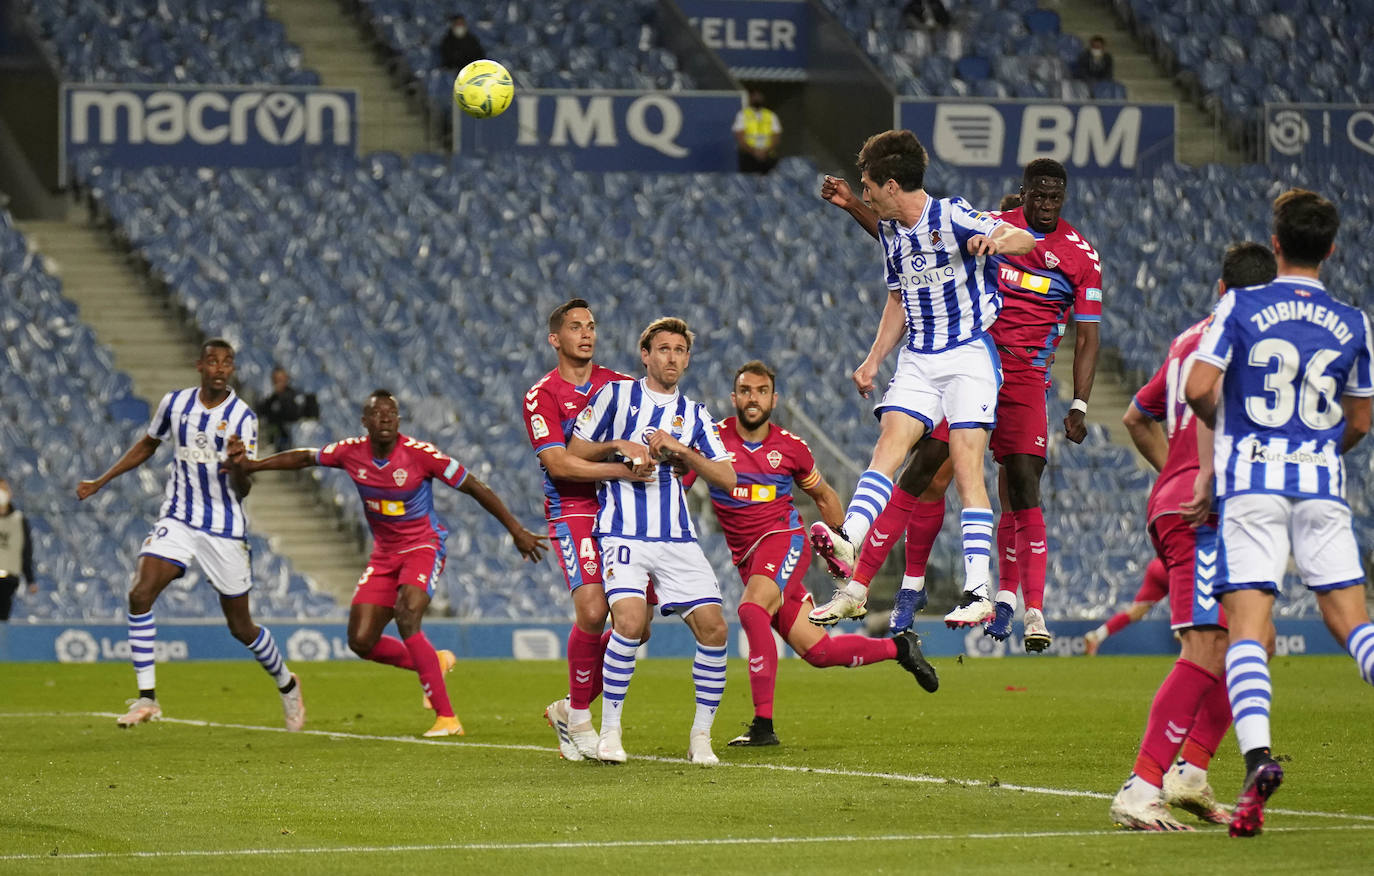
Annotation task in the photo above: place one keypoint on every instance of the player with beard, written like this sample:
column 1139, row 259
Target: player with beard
column 768, row 546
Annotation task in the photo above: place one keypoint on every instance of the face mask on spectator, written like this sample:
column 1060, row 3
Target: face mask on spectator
column 460, row 30
column 4, row 498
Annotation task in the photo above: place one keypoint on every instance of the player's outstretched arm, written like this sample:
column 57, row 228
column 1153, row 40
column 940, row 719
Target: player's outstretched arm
column 1147, row 436
column 827, row 503
column 565, row 466
column 531, row 545
column 137, row 454
column 287, row 460
column 1006, row 239
column 1086, row 343
column 1357, row 417
column 837, row 191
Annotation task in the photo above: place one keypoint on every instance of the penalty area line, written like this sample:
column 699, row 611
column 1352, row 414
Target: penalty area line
column 650, row 843
column 909, row 778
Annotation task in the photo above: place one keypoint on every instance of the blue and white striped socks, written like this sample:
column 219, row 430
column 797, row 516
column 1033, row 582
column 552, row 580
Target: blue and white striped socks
column 1249, row 688
column 264, row 648
column 871, row 495
column 142, row 634
column 616, row 669
column 975, row 524
column 1360, row 644
column 708, row 674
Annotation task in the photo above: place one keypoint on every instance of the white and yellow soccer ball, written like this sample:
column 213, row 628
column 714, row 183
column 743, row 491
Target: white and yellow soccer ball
column 483, row 89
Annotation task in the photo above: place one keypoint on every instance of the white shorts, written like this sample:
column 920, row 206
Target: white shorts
column 959, row 385
column 1255, row 541
column 225, row 561
column 683, row 578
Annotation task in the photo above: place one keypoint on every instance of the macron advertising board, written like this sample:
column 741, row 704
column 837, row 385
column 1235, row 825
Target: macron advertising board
column 654, row 131
column 1319, row 133
column 999, row 137
column 205, row 125
column 756, row 39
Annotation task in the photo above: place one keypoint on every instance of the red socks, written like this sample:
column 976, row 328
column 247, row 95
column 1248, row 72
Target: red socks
column 392, row 652
column 584, row 666
column 1008, row 574
column 850, row 650
column 431, row 675
column 1212, row 721
column 882, row 535
column 1171, row 716
column 922, row 527
column 1032, row 555
column 1118, row 622
column 763, row 656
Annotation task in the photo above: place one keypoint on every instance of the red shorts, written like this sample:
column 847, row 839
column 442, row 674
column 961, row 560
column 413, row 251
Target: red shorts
column 386, row 573
column 1022, row 413
column 1190, row 559
column 783, row 557
column 1156, row 584
column 579, row 552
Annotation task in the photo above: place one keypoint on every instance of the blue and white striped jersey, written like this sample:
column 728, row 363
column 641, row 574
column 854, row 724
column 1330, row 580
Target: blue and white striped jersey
column 198, row 493
column 625, row 410
column 949, row 296
column 1289, row 352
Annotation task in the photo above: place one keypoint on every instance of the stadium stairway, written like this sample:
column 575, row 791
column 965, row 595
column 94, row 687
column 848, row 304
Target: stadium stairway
column 1111, row 392
column 1200, row 138
column 334, row 46
column 152, row 343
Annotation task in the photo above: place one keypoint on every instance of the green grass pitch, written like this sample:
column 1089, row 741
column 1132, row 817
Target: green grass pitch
column 1006, row 769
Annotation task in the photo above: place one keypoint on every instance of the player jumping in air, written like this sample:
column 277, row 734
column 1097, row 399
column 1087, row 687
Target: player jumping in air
column 1293, row 366
column 645, row 529
column 767, row 544
column 393, row 474
column 1037, row 290
column 1192, row 700
column 550, row 409
column 202, row 518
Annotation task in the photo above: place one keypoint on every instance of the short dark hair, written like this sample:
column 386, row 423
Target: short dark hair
column 895, row 155
column 377, row 395
column 1305, row 224
column 216, row 343
column 672, row 324
column 1247, row 264
column 755, row 366
column 1044, row 167
column 561, row 311
column 1010, row 201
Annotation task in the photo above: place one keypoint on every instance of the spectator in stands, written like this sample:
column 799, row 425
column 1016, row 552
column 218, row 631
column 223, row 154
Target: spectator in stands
column 1095, row 63
column 757, row 131
column 925, row 15
column 16, row 552
column 283, row 408
column 460, row 46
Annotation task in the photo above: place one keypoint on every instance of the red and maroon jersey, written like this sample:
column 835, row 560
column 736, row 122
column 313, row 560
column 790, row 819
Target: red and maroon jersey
column 1038, row 290
column 551, row 409
column 396, row 494
column 761, row 501
column 1162, row 399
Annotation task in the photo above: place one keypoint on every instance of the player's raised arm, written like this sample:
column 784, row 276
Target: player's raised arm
column 287, row 460
column 531, row 545
column 138, row 453
column 1005, row 239
column 837, row 191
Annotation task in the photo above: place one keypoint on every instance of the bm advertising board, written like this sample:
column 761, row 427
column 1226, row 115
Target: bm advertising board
column 205, row 125
column 655, row 131
column 999, row 137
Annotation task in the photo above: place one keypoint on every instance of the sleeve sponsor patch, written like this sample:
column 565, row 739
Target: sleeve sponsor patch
column 539, row 428
column 1093, row 294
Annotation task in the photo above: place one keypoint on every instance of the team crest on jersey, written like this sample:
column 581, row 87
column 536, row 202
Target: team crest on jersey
column 399, row 476
column 538, row 428
column 1051, row 260
column 774, row 458
column 222, row 427
column 677, row 422
column 935, row 241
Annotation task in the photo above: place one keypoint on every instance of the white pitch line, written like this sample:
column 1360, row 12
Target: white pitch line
column 916, row 779
column 664, row 843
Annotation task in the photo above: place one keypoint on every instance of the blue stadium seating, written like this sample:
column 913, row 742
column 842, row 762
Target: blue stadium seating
column 179, row 41
column 444, row 307
column 66, row 412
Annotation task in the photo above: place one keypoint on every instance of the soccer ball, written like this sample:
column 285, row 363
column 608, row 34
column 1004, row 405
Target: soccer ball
column 483, row 89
